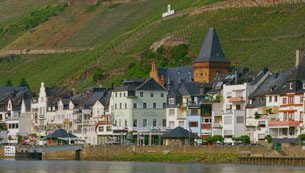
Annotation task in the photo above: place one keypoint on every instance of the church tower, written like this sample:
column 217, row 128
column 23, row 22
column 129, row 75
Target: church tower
column 211, row 59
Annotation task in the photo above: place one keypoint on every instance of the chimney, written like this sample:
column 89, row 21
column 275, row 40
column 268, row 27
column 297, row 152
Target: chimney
column 74, row 91
column 299, row 57
column 153, row 66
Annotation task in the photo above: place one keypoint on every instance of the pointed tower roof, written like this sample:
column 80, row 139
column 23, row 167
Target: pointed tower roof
column 211, row 50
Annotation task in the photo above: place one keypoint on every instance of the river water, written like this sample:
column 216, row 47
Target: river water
column 9, row 166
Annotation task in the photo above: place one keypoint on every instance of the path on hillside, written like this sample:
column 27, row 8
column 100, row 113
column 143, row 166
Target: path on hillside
column 215, row 6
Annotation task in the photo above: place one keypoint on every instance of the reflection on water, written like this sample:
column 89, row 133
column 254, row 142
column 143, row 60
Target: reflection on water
column 131, row 167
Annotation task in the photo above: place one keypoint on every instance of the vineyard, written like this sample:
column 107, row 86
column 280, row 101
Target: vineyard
column 250, row 36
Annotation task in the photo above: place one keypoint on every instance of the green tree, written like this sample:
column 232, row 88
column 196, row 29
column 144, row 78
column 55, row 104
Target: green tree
column 24, row 83
column 9, row 83
column 244, row 139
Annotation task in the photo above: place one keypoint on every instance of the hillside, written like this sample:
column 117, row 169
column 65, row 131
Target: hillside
column 251, row 35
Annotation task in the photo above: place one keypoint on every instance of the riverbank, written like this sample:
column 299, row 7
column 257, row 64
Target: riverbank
column 180, row 157
column 294, row 155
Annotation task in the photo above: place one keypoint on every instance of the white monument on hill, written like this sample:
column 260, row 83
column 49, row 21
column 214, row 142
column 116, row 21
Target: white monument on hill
column 169, row 11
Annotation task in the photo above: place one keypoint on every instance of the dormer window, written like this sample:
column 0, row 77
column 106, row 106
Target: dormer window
column 290, row 85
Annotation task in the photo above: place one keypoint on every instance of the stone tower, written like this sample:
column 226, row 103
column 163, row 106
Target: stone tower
column 211, row 59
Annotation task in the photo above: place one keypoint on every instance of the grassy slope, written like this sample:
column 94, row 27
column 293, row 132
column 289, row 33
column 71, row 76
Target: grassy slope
column 247, row 36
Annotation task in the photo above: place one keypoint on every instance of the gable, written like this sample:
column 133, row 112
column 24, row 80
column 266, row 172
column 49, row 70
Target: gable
column 151, row 85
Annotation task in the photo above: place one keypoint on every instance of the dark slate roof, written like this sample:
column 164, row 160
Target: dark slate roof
column 296, row 75
column 106, row 99
column 189, row 88
column 286, row 140
column 139, row 84
column 8, row 89
column 172, row 75
column 211, row 49
column 16, row 96
column 178, row 132
column 55, row 91
column 93, row 98
column 60, row 133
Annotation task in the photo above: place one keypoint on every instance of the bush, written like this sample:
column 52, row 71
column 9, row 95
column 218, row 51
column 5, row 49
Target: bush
column 98, row 75
column 301, row 137
column 257, row 115
column 245, row 139
column 215, row 138
column 9, row 83
column 131, row 65
column 3, row 126
column 268, row 138
column 92, row 8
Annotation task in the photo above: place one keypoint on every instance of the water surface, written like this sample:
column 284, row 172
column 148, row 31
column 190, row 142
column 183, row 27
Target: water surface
column 9, row 166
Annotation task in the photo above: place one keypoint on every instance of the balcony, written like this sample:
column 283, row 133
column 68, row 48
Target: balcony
column 76, row 131
column 236, row 99
column 217, row 125
column 77, row 121
column 251, row 122
column 284, row 123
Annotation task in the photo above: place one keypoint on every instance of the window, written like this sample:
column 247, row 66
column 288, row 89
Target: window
column 120, row 94
column 301, row 99
column 116, row 94
column 290, row 100
column 141, row 94
column 171, row 112
column 193, row 124
column 135, row 105
column 124, row 94
column 9, row 126
column 164, row 105
column 101, row 128
column 162, row 95
column 115, row 106
column 201, row 74
column 284, row 100
column 171, row 101
column 227, row 120
column 181, row 123
column 270, row 98
column 154, row 122
column 120, row 122
column 229, row 94
column 228, row 133
column 194, row 111
column 17, row 126
column 144, row 122
column 42, row 99
column 290, row 85
column 144, row 105
column 120, row 105
column 229, row 107
column 240, row 119
column 262, row 123
column 275, row 98
column 154, row 105
column 164, row 122
column 135, row 123
column 301, row 116
column 109, row 129
column 171, row 124
column 238, row 107
column 125, row 123
column 125, row 105
column 151, row 94
column 206, row 120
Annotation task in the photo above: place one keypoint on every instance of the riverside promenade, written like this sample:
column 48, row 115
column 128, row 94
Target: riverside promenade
column 290, row 155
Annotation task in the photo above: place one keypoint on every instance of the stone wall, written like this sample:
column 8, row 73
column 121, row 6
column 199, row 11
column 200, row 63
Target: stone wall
column 108, row 152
